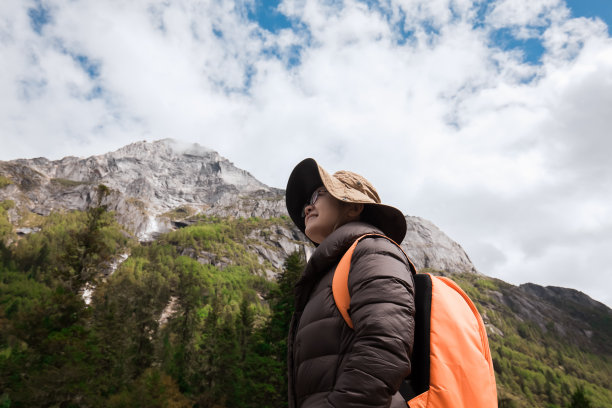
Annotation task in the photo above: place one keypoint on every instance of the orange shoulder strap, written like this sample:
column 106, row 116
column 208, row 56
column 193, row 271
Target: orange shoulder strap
column 340, row 289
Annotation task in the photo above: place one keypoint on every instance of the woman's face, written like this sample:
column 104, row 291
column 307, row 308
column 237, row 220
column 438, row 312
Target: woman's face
column 323, row 215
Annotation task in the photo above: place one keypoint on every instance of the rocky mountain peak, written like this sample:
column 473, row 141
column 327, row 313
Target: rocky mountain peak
column 429, row 247
column 147, row 180
column 161, row 164
column 162, row 148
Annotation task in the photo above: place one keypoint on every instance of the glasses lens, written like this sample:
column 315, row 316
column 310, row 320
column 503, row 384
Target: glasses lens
column 313, row 199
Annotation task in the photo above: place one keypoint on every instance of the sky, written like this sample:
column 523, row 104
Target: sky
column 489, row 118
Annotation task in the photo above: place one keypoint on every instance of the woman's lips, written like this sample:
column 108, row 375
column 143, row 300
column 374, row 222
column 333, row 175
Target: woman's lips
column 309, row 216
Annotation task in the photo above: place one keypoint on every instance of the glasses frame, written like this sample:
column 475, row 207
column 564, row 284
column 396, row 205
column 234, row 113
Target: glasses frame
column 313, row 199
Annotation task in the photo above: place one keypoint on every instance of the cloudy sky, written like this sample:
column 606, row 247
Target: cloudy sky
column 490, row 118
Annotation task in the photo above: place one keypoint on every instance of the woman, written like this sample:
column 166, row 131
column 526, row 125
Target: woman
column 330, row 364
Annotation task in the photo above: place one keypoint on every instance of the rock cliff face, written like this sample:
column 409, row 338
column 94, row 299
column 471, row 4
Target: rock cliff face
column 563, row 312
column 146, row 180
column 428, row 247
column 158, row 186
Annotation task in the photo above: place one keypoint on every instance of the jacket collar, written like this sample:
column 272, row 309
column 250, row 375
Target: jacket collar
column 327, row 255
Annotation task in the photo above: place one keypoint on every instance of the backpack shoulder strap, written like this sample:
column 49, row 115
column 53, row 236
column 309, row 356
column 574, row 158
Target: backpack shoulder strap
column 340, row 289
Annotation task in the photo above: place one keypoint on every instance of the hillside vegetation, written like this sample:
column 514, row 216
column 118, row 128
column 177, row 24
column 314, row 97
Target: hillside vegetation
column 190, row 319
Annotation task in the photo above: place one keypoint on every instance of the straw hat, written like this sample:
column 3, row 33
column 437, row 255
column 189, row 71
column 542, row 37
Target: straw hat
column 345, row 186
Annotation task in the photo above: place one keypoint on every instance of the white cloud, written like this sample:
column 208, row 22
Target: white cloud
column 523, row 14
column 508, row 157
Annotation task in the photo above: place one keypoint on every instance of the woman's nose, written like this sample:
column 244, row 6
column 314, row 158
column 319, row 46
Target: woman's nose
column 307, row 209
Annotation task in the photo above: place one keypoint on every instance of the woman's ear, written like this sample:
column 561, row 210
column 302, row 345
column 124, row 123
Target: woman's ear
column 349, row 212
column 355, row 210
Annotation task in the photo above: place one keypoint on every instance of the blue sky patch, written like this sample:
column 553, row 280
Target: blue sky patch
column 481, row 14
column 378, row 6
column 217, row 32
column 400, row 28
column 249, row 73
column 91, row 68
column 266, row 14
column 294, row 56
column 531, row 48
column 39, row 17
column 291, row 56
column 592, row 9
column 95, row 93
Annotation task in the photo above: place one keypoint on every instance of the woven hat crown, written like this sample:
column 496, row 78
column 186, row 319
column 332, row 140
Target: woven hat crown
column 357, row 188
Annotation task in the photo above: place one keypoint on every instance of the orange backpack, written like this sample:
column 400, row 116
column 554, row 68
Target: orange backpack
column 451, row 360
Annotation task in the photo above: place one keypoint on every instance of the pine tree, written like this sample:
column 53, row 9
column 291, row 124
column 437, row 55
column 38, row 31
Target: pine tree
column 274, row 334
column 579, row 399
column 244, row 327
column 282, row 299
column 92, row 246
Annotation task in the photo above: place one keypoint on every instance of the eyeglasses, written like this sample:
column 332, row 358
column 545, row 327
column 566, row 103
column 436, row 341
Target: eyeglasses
column 313, row 199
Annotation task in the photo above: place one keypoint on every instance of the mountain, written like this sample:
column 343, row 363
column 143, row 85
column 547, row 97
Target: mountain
column 187, row 275
column 146, row 181
column 159, row 186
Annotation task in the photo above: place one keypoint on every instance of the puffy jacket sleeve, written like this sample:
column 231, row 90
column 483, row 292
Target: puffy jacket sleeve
column 382, row 310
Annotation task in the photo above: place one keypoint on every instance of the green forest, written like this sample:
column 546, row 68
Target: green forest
column 166, row 330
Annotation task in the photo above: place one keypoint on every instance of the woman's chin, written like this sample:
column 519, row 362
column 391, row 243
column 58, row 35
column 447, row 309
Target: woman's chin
column 313, row 236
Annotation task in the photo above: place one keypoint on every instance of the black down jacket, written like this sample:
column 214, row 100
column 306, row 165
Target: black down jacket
column 332, row 365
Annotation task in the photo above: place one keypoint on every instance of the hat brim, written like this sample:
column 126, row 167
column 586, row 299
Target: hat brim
column 390, row 220
column 306, row 177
